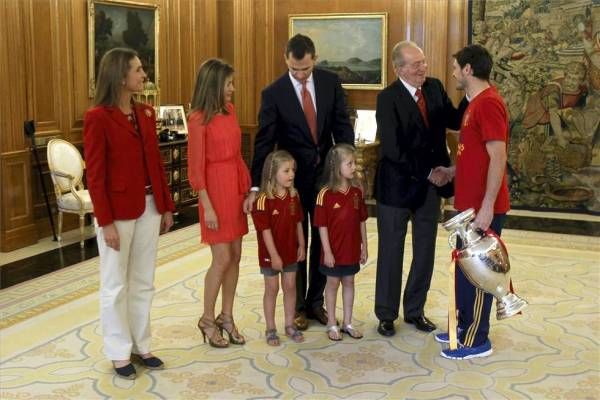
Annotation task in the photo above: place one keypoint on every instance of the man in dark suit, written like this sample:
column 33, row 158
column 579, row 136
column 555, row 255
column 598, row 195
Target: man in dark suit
column 287, row 120
column 412, row 116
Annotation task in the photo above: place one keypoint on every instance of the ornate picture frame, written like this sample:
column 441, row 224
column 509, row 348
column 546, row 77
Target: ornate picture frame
column 354, row 46
column 118, row 23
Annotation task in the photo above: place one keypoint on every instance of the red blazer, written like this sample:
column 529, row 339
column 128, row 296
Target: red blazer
column 115, row 158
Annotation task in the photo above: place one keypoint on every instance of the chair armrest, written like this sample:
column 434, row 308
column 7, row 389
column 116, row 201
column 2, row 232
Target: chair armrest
column 62, row 174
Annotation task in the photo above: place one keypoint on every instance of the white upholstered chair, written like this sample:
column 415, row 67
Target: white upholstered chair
column 66, row 167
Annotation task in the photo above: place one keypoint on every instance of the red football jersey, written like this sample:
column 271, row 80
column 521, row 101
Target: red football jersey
column 341, row 213
column 485, row 119
column 281, row 215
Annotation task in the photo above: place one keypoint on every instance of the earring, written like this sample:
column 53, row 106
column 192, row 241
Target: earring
column 123, row 83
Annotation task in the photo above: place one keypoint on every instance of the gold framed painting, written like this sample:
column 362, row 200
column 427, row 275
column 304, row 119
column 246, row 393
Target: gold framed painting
column 354, row 46
column 116, row 23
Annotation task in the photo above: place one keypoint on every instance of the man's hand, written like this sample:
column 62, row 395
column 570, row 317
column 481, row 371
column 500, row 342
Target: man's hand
column 484, row 218
column 111, row 236
column 249, row 201
column 441, row 175
column 438, row 178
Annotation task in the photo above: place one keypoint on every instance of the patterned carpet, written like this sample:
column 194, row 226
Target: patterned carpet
column 51, row 346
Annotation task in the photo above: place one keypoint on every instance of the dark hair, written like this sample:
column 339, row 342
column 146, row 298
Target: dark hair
column 208, row 96
column 478, row 58
column 299, row 45
column 113, row 68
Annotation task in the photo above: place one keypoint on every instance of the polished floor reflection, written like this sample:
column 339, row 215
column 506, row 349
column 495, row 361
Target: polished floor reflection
column 45, row 262
column 29, row 267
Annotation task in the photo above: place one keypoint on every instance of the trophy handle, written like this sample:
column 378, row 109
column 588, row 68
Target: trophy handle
column 452, row 240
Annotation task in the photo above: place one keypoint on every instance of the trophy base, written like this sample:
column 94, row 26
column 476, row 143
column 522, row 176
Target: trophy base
column 509, row 305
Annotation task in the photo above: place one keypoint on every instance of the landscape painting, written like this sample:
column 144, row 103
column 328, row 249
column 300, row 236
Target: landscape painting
column 351, row 45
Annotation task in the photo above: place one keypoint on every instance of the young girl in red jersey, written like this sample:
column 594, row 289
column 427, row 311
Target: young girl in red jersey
column 278, row 215
column 340, row 215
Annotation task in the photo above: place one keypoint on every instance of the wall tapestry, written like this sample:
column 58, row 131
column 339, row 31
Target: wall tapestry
column 547, row 67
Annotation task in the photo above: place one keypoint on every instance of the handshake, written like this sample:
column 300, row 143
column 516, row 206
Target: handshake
column 440, row 176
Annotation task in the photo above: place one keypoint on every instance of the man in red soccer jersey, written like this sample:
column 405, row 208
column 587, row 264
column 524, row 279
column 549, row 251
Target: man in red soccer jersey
column 480, row 183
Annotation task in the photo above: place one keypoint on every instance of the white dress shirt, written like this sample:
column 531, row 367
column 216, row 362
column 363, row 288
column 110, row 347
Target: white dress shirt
column 411, row 89
column 310, row 86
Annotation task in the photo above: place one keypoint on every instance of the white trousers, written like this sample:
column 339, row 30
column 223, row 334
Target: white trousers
column 127, row 284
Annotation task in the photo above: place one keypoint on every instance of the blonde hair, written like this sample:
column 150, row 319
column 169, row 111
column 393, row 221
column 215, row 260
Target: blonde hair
column 208, row 96
column 113, row 69
column 269, row 173
column 332, row 175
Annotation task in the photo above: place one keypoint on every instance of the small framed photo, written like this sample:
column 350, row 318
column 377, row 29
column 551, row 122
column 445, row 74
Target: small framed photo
column 173, row 118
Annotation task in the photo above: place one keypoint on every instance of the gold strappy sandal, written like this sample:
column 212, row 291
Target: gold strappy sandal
column 225, row 321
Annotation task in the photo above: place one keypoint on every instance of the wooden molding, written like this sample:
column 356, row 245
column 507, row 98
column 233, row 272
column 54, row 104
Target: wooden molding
column 18, row 228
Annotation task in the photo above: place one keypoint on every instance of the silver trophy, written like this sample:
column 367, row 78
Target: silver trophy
column 484, row 261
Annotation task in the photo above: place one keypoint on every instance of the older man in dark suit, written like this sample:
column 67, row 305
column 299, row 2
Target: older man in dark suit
column 303, row 112
column 412, row 116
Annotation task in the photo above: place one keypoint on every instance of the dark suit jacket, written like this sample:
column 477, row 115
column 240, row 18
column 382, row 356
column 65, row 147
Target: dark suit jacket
column 409, row 150
column 282, row 123
column 115, row 163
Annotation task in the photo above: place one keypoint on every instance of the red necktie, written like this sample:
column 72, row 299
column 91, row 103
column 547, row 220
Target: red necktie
column 422, row 107
column 309, row 112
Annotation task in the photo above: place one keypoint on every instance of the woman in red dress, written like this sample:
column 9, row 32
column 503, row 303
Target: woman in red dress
column 217, row 171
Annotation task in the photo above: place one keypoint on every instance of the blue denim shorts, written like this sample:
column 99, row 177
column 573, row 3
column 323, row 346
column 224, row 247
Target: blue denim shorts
column 268, row 271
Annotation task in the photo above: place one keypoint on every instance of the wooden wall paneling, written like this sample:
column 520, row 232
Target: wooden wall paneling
column 18, row 229
column 16, row 218
column 225, row 26
column 207, row 30
column 76, row 51
column 186, row 31
column 266, row 51
column 13, row 75
column 428, row 28
column 265, row 54
column 203, row 42
column 43, row 52
column 457, row 39
column 244, row 60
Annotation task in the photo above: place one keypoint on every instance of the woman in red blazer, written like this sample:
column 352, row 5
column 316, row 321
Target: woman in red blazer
column 132, row 204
